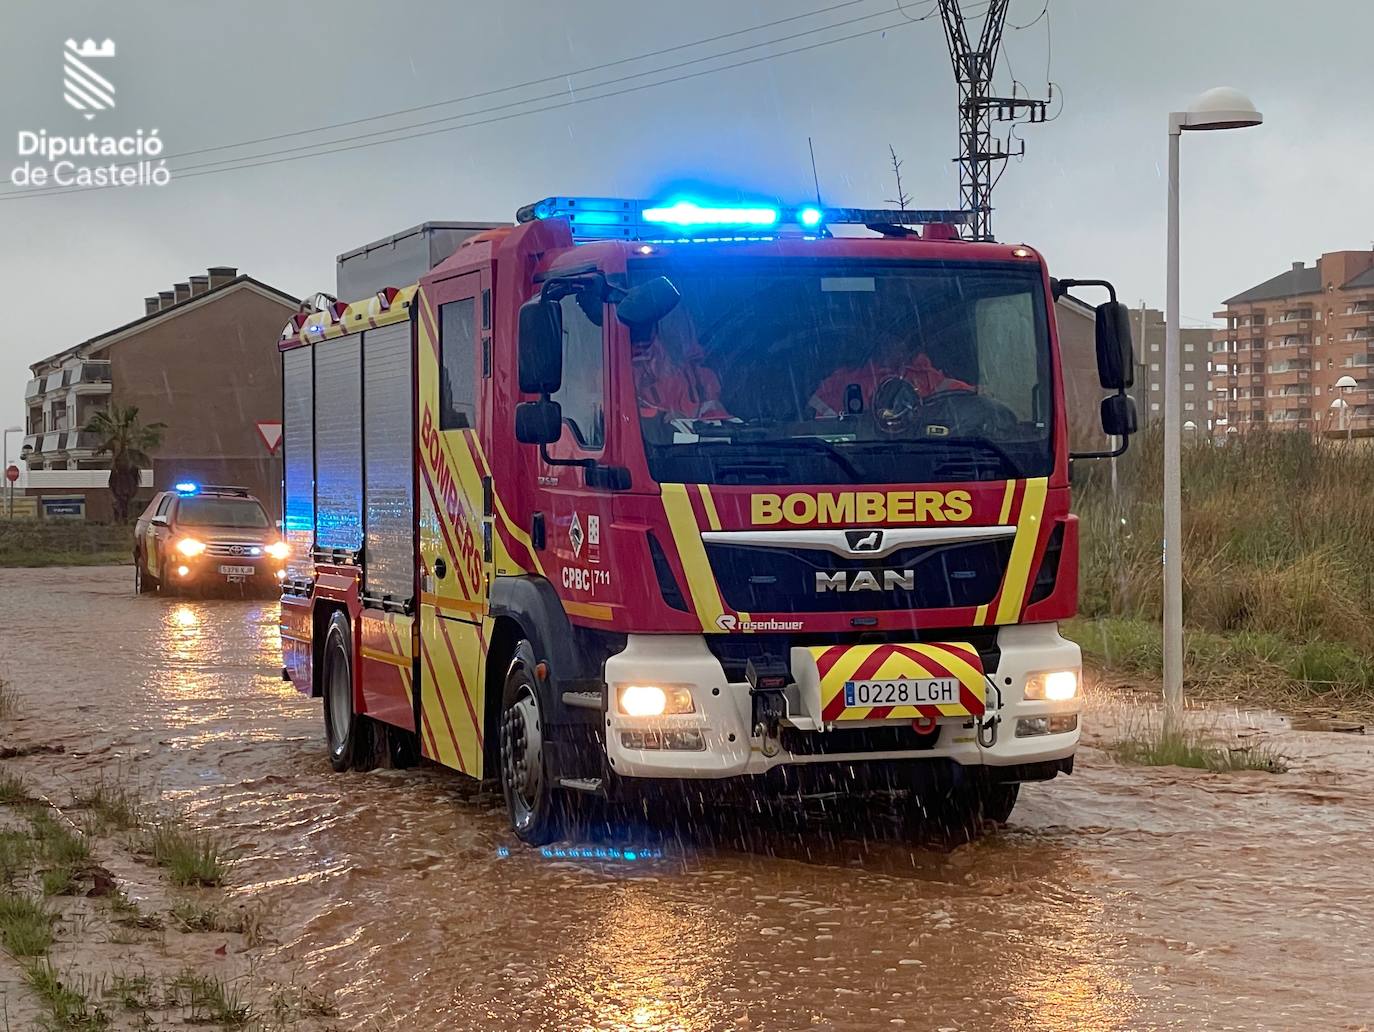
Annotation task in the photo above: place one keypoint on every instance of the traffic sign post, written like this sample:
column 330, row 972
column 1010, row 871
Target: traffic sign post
column 11, row 475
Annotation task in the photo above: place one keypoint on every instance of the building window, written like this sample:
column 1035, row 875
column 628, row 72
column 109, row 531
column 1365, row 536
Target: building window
column 1188, row 406
column 458, row 365
column 1154, row 386
column 1154, row 347
column 1154, row 367
column 1154, row 406
column 1189, row 386
column 1187, row 347
column 1187, row 367
column 583, row 394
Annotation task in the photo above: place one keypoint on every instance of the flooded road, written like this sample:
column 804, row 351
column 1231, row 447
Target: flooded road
column 1118, row 898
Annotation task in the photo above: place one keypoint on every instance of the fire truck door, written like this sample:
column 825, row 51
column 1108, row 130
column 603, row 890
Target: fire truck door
column 453, row 573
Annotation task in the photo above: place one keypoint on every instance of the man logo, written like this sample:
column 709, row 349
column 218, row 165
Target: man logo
column 82, row 87
column 864, row 540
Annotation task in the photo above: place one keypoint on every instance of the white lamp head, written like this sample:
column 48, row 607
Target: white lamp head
column 1347, row 383
column 1219, row 108
column 1339, row 403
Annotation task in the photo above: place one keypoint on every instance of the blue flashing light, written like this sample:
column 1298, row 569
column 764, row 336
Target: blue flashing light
column 689, row 213
column 810, row 217
column 187, row 487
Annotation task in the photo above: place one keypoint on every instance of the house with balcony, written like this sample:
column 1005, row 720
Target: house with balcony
column 1300, row 347
column 202, row 358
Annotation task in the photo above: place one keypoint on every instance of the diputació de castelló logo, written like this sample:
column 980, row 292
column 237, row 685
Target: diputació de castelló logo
column 53, row 159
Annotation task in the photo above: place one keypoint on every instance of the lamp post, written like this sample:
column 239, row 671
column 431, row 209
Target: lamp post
column 9, row 508
column 1346, row 385
column 1219, row 108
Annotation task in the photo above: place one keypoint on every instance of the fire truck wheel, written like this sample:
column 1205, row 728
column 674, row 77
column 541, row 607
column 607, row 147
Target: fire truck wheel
column 348, row 734
column 974, row 802
column 535, row 808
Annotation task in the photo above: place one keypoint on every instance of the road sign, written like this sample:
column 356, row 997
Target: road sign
column 270, row 432
column 11, row 473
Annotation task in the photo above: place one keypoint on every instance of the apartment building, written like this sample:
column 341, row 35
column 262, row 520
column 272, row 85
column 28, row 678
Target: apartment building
column 202, row 358
column 1296, row 350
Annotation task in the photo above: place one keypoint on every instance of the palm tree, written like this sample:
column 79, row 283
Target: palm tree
column 127, row 442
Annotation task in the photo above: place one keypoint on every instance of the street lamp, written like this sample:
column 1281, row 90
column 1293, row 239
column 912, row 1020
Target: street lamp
column 1219, row 108
column 1342, row 411
column 9, row 509
column 1346, row 385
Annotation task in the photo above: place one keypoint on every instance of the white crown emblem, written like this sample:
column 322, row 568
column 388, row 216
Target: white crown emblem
column 90, row 48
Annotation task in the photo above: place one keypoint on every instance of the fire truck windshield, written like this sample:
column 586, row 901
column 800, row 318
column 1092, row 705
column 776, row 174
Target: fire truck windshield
column 845, row 371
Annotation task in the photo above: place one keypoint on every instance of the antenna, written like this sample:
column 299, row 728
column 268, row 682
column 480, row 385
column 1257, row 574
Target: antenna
column 814, row 177
column 973, row 68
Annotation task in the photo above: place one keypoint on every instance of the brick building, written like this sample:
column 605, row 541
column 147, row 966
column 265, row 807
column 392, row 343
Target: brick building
column 202, row 359
column 1289, row 345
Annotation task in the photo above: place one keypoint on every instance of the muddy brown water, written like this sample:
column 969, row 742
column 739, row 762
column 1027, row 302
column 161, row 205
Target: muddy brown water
column 1118, row 898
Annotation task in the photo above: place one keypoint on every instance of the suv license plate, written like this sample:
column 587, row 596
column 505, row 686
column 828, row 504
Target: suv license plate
column 236, row 571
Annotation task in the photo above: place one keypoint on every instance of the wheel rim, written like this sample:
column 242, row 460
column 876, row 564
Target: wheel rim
column 340, row 705
column 522, row 766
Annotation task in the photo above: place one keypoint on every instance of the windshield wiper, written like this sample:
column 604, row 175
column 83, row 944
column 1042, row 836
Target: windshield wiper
column 974, row 444
column 816, row 444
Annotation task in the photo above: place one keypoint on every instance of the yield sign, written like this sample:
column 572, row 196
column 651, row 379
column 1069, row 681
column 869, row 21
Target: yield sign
column 270, row 432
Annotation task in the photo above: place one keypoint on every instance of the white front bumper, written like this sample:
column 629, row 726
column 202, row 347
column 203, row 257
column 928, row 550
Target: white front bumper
column 724, row 711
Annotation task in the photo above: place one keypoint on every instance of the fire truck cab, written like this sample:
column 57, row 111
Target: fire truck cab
column 635, row 491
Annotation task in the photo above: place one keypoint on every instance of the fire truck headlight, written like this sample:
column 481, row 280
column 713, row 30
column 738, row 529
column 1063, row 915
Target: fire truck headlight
column 190, row 547
column 278, row 549
column 652, row 700
column 1052, row 685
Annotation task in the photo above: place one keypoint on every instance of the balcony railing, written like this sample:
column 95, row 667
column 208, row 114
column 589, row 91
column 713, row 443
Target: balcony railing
column 33, row 388
column 93, row 375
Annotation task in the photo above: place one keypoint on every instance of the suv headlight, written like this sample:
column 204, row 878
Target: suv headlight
column 1052, row 685
column 278, row 549
column 190, row 546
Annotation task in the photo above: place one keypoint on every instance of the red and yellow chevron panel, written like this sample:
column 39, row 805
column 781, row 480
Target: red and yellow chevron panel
column 847, row 674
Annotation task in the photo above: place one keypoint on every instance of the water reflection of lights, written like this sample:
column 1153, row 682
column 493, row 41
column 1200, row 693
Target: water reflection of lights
column 648, row 966
column 185, row 616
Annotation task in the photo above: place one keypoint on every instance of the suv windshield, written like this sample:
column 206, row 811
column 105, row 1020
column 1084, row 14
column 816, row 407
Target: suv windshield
column 240, row 513
column 835, row 371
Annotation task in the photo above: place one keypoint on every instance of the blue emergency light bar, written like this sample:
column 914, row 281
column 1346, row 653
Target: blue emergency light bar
column 614, row 218
column 186, row 487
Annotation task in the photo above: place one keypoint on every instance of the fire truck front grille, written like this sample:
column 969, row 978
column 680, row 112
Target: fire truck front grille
column 234, row 549
column 806, row 580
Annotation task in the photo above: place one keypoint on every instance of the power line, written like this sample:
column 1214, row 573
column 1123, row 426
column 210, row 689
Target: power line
column 252, row 161
column 546, row 96
column 536, row 82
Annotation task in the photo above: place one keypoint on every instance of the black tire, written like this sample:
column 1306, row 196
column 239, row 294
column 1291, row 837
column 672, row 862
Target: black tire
column 348, row 735
column 536, row 807
column 961, row 811
column 402, row 746
column 144, row 582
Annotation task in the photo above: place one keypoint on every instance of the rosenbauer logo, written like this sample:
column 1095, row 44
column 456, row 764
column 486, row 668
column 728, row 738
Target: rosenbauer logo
column 52, row 159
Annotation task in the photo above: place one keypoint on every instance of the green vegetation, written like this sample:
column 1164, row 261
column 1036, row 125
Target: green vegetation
column 13, row 791
column 8, row 704
column 68, row 1007
column 127, row 440
column 1278, row 577
column 63, row 543
column 209, row 999
column 191, row 857
column 112, row 799
column 25, row 924
column 1148, row 741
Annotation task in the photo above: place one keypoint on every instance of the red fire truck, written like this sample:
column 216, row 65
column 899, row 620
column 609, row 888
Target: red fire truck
column 633, row 492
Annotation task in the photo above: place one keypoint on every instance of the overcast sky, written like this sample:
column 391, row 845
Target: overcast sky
column 1089, row 193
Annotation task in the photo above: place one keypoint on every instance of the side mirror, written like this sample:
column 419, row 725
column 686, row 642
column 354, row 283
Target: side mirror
column 538, row 422
column 1115, row 356
column 541, row 347
column 159, row 520
column 646, row 304
column 1118, row 415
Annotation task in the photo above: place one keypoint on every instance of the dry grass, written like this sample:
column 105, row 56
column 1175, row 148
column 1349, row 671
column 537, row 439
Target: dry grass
column 191, row 857
column 8, row 703
column 1278, row 571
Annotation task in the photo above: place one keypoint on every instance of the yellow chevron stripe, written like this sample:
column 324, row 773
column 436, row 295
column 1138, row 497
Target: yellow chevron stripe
column 386, row 657
column 1022, row 551
column 701, row 584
